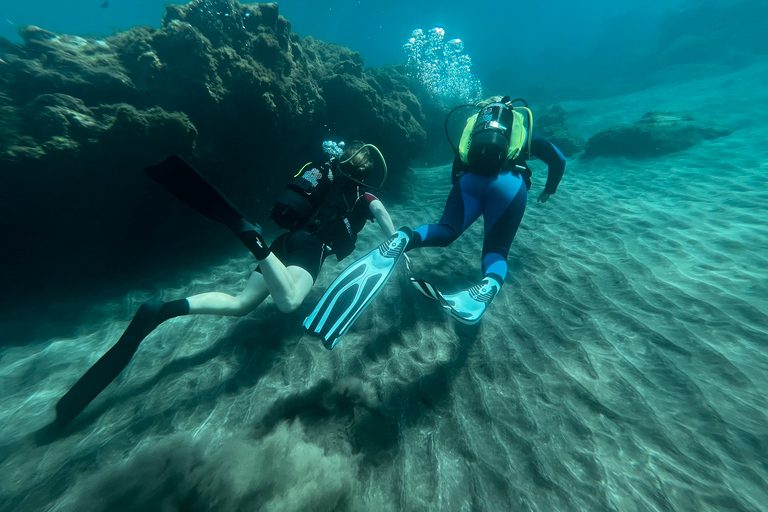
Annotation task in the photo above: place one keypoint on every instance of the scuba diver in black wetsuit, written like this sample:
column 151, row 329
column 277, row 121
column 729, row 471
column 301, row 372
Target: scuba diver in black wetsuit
column 324, row 209
column 491, row 178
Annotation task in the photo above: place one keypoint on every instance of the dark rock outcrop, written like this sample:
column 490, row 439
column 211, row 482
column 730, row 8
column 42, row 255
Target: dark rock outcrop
column 553, row 125
column 60, row 127
column 655, row 134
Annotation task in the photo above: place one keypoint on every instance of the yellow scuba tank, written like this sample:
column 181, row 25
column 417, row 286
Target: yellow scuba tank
column 495, row 135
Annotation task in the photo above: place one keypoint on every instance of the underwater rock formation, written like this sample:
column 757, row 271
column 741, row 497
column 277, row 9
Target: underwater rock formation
column 552, row 124
column 61, row 127
column 655, row 134
column 226, row 85
column 369, row 104
column 243, row 80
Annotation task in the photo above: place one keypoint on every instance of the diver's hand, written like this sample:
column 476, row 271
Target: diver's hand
column 544, row 197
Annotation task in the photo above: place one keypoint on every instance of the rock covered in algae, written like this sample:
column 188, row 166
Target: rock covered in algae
column 657, row 133
column 243, row 80
column 553, row 124
column 62, row 126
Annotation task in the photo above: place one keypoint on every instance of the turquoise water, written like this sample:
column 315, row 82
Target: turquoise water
column 553, row 30
column 621, row 368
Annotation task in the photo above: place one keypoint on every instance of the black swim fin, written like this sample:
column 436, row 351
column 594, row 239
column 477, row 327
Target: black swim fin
column 354, row 290
column 104, row 371
column 193, row 189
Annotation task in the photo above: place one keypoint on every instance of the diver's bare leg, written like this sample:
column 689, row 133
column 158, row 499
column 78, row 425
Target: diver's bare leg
column 218, row 303
column 288, row 286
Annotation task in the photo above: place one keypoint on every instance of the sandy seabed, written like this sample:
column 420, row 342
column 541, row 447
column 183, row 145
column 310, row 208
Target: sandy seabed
column 622, row 367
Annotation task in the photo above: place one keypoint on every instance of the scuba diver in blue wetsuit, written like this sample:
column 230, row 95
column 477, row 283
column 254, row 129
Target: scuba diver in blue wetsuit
column 490, row 178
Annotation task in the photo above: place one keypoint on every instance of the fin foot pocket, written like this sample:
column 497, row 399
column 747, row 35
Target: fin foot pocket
column 468, row 305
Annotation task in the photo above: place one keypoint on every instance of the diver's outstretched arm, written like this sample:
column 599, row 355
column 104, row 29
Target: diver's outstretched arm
column 382, row 217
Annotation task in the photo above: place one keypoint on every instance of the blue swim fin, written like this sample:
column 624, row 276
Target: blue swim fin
column 355, row 288
column 468, row 305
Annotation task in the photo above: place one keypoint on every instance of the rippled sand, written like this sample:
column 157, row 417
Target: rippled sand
column 622, row 367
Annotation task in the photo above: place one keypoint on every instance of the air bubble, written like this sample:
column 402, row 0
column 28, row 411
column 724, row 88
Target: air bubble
column 442, row 68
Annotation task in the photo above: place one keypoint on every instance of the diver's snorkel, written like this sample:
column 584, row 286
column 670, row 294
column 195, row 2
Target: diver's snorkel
column 336, row 150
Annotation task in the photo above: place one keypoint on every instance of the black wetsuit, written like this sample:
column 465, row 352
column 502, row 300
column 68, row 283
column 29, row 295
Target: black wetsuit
column 334, row 226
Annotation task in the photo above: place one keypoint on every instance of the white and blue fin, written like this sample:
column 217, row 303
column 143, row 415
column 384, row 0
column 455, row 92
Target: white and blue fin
column 354, row 290
column 468, row 305
column 426, row 288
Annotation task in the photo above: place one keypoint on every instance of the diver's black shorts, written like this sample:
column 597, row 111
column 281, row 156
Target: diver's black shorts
column 300, row 249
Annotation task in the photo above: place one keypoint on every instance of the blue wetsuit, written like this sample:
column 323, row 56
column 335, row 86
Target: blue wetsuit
column 501, row 200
